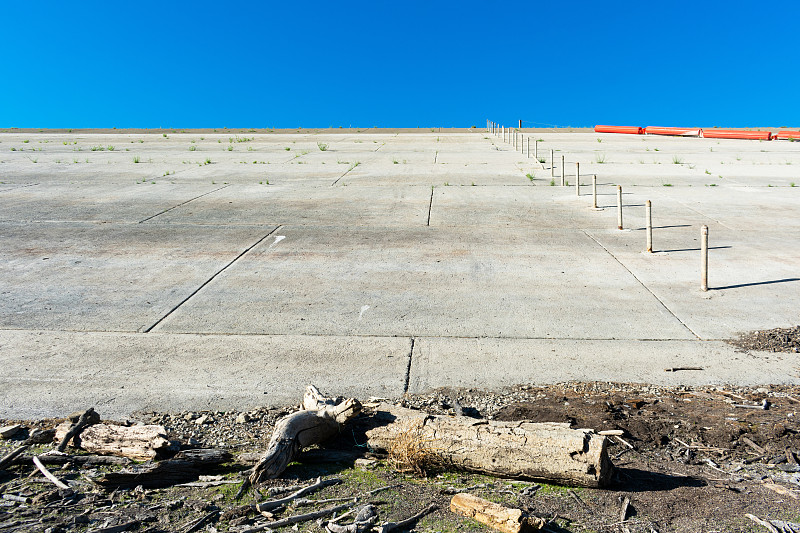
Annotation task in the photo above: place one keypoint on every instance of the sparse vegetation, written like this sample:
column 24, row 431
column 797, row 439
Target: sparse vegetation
column 192, row 148
column 600, row 158
column 322, row 147
column 667, row 185
column 136, row 159
column 529, row 175
column 677, row 160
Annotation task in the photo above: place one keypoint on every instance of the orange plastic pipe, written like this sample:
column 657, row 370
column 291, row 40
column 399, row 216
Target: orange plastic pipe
column 737, row 134
column 659, row 130
column 635, row 130
column 788, row 134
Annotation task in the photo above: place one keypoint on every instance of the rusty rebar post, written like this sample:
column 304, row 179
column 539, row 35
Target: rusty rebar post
column 648, row 214
column 704, row 258
column 619, row 206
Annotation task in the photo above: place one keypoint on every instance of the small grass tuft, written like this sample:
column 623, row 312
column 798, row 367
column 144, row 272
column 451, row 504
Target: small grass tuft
column 529, row 175
column 667, row 184
column 677, row 160
column 192, row 148
column 136, row 159
column 322, row 147
column 600, row 158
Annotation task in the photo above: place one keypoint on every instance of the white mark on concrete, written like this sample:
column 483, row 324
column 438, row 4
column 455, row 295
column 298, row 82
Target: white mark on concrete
column 363, row 308
column 278, row 238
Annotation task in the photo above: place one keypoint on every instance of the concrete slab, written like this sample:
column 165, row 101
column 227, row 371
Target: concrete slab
column 448, row 362
column 105, row 277
column 424, row 282
column 50, row 373
column 256, row 272
column 260, row 204
column 96, row 202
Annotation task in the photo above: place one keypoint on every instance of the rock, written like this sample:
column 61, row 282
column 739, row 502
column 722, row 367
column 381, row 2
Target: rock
column 6, row 432
column 42, row 436
column 242, row 418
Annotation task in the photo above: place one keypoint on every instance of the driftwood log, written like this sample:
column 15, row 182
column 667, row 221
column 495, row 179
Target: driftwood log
column 546, row 451
column 140, row 443
column 319, row 419
column 187, row 465
column 507, row 520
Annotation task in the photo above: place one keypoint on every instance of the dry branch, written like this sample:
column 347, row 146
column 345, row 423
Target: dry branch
column 57, row 482
column 86, row 419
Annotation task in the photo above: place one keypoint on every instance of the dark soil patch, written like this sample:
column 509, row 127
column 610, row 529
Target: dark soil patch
column 771, row 340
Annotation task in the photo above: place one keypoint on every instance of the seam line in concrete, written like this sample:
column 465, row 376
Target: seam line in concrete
column 359, row 336
column 408, row 367
column 430, row 206
column 14, row 188
column 346, row 172
column 209, row 280
column 642, row 284
column 182, row 203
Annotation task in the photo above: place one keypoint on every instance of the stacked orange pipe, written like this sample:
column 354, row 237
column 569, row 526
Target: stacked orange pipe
column 737, row 134
column 634, row 130
column 788, row 134
column 659, row 130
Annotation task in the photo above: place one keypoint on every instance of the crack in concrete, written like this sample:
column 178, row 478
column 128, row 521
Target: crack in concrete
column 645, row 287
column 408, row 367
column 182, row 203
column 430, row 206
column 209, row 280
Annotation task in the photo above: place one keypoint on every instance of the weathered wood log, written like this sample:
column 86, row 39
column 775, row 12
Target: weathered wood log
column 319, row 419
column 546, row 451
column 505, row 519
column 84, row 460
column 187, row 465
column 135, row 442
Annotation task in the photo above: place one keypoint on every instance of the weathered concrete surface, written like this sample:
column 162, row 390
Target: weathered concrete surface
column 219, row 267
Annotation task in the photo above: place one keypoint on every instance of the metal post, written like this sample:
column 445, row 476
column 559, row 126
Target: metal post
column 536, row 149
column 552, row 165
column 648, row 213
column 529, row 147
column 704, row 258
column 578, row 178
column 563, row 172
column 594, row 191
column 520, row 124
column 619, row 206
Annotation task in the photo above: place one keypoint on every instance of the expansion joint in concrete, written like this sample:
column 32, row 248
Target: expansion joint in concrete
column 645, row 287
column 408, row 367
column 430, row 206
column 183, row 203
column 209, row 280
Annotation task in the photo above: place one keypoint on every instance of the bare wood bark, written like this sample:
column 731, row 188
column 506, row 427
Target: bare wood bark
column 269, row 505
column 57, row 482
column 8, row 459
column 547, row 451
column 185, row 466
column 88, row 460
column 496, row 516
column 408, row 522
column 319, row 419
column 136, row 442
column 291, row 520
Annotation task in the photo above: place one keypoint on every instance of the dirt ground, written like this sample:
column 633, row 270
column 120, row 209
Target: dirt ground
column 689, row 459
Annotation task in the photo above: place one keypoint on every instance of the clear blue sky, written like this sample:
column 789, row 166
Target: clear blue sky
column 398, row 64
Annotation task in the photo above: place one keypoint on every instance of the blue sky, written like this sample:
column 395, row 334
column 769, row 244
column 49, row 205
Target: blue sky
column 398, row 64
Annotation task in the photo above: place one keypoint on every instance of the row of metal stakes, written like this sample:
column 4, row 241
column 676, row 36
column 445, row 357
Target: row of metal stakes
column 517, row 140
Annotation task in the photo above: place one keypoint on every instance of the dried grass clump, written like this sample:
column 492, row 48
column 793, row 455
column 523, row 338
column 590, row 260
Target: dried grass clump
column 411, row 453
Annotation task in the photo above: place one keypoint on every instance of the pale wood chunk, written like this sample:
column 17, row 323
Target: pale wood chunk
column 140, row 443
column 506, row 519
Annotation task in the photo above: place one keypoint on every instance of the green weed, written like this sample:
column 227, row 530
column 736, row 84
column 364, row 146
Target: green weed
column 136, row 159
column 208, row 161
column 600, row 158
column 230, row 148
column 677, row 160
column 322, row 147
column 110, row 148
column 667, row 184
column 529, row 175
column 192, row 148
column 552, row 182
